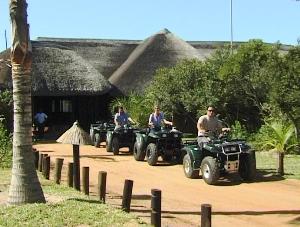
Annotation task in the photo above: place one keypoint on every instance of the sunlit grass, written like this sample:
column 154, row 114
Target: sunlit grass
column 267, row 161
column 73, row 209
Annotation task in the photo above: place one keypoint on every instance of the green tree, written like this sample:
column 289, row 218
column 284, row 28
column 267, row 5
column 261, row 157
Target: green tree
column 285, row 92
column 137, row 106
column 279, row 136
column 247, row 82
column 25, row 186
column 5, row 148
column 6, row 109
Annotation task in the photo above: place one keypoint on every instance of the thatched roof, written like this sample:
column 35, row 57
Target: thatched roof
column 163, row 49
column 75, row 135
column 103, row 54
column 57, row 71
column 62, row 72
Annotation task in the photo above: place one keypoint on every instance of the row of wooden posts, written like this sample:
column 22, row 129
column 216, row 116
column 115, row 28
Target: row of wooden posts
column 42, row 164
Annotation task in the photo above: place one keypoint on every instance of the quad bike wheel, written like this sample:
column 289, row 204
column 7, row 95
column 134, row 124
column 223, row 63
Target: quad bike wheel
column 152, row 154
column 115, row 146
column 247, row 166
column 138, row 153
column 92, row 134
column 97, row 140
column 108, row 145
column 188, row 170
column 210, row 170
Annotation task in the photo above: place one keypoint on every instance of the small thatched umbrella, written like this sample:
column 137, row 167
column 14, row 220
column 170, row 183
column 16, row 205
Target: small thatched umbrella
column 76, row 136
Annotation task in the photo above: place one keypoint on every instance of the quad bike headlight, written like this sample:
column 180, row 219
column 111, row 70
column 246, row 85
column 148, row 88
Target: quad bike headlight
column 233, row 148
column 175, row 135
column 164, row 135
column 227, row 149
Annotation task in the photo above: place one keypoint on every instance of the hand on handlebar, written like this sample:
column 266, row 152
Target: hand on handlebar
column 226, row 129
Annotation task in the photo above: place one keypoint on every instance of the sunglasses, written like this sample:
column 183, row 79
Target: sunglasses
column 211, row 110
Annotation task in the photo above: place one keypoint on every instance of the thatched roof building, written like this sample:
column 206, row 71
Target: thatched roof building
column 75, row 79
column 59, row 72
column 163, row 49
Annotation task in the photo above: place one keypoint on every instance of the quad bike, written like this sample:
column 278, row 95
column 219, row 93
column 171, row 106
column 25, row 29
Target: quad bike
column 98, row 132
column 123, row 136
column 152, row 143
column 219, row 156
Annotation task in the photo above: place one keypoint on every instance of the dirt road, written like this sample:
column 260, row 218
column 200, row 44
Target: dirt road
column 270, row 201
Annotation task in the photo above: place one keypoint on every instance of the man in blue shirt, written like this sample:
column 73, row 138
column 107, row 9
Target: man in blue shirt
column 40, row 120
column 122, row 118
column 157, row 118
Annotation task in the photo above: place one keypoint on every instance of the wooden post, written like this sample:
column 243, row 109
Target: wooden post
column 205, row 215
column 58, row 167
column 85, row 180
column 127, row 193
column 102, row 185
column 46, row 167
column 156, row 207
column 76, row 167
column 36, row 159
column 70, row 174
column 41, row 162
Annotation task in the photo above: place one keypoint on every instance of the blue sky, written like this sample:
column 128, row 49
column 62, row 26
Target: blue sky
column 201, row 20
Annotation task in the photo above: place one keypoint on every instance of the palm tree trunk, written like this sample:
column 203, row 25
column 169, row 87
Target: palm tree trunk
column 280, row 169
column 25, row 186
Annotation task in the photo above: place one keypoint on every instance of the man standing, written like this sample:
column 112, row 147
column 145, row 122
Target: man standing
column 40, row 121
column 209, row 125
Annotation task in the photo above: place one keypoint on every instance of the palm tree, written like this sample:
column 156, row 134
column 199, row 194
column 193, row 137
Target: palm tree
column 25, row 186
column 279, row 139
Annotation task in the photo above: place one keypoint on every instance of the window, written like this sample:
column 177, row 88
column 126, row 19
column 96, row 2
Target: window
column 65, row 106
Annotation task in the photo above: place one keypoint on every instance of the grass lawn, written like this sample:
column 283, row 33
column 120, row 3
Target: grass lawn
column 74, row 209
column 267, row 162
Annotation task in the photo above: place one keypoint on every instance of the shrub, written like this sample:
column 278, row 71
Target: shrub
column 238, row 131
column 5, row 148
column 6, row 109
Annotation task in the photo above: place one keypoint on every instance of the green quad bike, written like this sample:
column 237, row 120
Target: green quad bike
column 98, row 132
column 219, row 156
column 120, row 137
column 152, row 143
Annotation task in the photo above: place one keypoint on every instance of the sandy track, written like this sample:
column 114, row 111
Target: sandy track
column 270, row 201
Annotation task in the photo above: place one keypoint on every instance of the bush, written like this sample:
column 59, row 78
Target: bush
column 6, row 109
column 238, row 131
column 276, row 135
column 5, row 148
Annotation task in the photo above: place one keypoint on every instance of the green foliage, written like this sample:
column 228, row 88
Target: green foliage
column 5, row 148
column 6, row 109
column 276, row 136
column 240, row 85
column 247, row 83
column 138, row 107
column 238, row 131
column 285, row 92
column 187, row 87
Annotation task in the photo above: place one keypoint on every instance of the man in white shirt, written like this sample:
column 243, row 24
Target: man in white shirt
column 208, row 125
